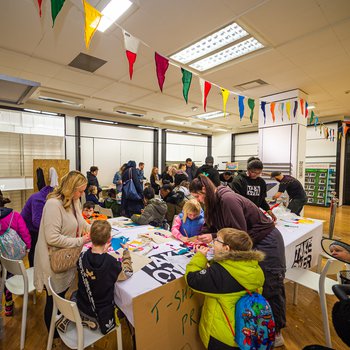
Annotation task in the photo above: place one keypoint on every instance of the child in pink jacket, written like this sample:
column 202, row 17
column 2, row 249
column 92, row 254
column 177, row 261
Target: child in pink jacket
column 7, row 217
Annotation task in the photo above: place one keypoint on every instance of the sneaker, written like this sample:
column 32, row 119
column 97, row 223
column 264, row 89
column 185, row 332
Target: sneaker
column 9, row 306
column 62, row 324
column 279, row 341
column 87, row 322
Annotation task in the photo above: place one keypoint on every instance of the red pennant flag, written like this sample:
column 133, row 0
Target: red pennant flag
column 306, row 109
column 162, row 65
column 205, row 88
column 272, row 109
column 39, row 3
column 302, row 106
column 346, row 128
column 131, row 46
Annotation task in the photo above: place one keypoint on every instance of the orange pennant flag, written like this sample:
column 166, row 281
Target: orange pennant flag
column 346, row 128
column 272, row 109
column 92, row 20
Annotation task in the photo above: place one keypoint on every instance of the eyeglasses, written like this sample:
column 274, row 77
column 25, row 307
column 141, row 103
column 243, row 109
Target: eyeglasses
column 217, row 240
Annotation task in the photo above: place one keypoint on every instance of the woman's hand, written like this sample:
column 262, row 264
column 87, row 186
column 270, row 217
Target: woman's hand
column 205, row 238
column 202, row 249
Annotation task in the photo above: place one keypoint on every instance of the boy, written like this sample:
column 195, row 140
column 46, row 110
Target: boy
column 112, row 203
column 89, row 215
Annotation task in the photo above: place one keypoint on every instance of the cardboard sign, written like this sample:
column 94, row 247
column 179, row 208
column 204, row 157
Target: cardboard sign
column 168, row 317
column 232, row 166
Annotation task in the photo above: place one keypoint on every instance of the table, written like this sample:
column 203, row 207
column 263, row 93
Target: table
column 165, row 312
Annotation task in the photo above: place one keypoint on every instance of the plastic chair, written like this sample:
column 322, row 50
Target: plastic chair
column 319, row 283
column 76, row 336
column 19, row 284
column 105, row 211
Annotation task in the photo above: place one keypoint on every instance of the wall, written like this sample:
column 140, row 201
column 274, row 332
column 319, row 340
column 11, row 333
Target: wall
column 221, row 151
column 246, row 145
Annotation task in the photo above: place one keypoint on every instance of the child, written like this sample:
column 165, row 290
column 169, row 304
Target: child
column 89, row 215
column 154, row 212
column 98, row 271
column 340, row 250
column 92, row 196
column 189, row 222
column 234, row 269
column 112, row 203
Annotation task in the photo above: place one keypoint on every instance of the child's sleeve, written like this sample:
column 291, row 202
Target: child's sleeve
column 145, row 218
column 175, row 230
column 127, row 270
column 22, row 230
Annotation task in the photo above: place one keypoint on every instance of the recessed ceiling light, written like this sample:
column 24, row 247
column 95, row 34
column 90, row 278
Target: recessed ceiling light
column 146, row 127
column 311, row 107
column 103, row 121
column 113, row 10
column 240, row 49
column 210, row 115
column 222, row 37
column 193, row 133
column 173, row 130
column 221, row 130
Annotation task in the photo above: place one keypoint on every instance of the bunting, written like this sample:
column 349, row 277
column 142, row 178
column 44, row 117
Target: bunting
column 306, row 109
column 312, row 117
column 346, row 128
column 263, row 108
column 92, row 20
column 56, row 7
column 186, row 83
column 288, row 109
column 131, row 45
column 162, row 65
column 272, row 109
column 241, row 106
column 302, row 106
column 325, row 131
column 340, row 132
column 205, row 88
column 251, row 105
column 295, row 108
column 225, row 94
column 316, row 122
column 39, row 4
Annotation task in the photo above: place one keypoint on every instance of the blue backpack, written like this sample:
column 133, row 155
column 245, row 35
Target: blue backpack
column 254, row 323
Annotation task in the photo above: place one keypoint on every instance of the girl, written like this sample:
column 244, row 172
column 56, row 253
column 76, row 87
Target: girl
column 155, row 180
column 92, row 195
column 234, row 269
column 189, row 222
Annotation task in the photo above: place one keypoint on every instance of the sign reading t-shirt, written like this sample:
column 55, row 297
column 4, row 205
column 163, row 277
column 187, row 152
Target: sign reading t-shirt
column 253, row 191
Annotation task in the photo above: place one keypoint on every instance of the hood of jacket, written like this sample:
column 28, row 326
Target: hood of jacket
column 130, row 164
column 183, row 189
column 158, row 205
column 4, row 212
column 175, row 197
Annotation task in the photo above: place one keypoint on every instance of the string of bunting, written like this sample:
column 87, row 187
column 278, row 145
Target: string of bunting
column 131, row 44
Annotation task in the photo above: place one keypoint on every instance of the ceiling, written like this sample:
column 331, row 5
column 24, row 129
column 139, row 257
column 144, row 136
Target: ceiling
column 307, row 47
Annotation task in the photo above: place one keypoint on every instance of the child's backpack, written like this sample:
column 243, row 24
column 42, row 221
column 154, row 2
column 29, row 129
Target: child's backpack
column 254, row 323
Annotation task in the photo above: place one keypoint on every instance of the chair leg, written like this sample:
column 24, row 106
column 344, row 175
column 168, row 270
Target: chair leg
column 24, row 320
column 319, row 263
column 119, row 337
column 52, row 327
column 327, row 333
column 295, row 293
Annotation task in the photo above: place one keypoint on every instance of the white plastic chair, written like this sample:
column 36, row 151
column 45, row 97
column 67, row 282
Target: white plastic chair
column 19, row 284
column 76, row 336
column 105, row 211
column 319, row 283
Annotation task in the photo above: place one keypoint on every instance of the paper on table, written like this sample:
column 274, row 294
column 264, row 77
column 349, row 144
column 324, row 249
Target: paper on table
column 138, row 261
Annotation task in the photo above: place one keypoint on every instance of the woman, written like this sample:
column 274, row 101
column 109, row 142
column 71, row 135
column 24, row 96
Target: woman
column 155, row 180
column 62, row 226
column 168, row 176
column 225, row 208
column 117, row 179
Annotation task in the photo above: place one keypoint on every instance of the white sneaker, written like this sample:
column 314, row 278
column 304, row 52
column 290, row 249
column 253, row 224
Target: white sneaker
column 279, row 341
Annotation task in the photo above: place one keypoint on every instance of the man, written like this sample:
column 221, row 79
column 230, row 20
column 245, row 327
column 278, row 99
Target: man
column 208, row 170
column 191, row 169
column 252, row 186
column 226, row 178
column 92, row 178
column 295, row 190
column 140, row 173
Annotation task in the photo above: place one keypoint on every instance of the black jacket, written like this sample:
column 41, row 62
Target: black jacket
column 211, row 172
column 92, row 181
column 191, row 172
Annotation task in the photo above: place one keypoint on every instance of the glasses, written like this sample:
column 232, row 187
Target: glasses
column 217, row 240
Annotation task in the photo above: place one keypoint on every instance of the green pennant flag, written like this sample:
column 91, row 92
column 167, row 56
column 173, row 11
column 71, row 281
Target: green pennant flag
column 56, row 6
column 251, row 105
column 186, row 82
column 312, row 116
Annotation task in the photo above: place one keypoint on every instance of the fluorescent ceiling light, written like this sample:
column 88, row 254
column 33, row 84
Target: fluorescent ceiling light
column 210, row 115
column 103, row 121
column 215, row 41
column 111, row 13
column 130, row 112
column 175, row 120
column 193, row 133
column 240, row 49
column 39, row 112
column 146, row 127
column 173, row 130
column 49, row 96
column 311, row 107
column 221, row 130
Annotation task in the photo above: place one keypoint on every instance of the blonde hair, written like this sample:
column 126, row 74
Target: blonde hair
column 191, row 206
column 92, row 189
column 153, row 172
column 237, row 240
column 100, row 232
column 69, row 184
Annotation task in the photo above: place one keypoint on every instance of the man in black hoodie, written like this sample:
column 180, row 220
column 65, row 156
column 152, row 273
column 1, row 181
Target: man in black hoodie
column 191, row 169
column 252, row 186
column 208, row 170
column 92, row 179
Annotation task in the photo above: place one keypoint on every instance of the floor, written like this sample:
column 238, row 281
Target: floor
column 304, row 320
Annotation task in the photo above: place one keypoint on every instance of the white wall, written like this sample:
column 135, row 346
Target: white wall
column 246, row 145
column 221, row 144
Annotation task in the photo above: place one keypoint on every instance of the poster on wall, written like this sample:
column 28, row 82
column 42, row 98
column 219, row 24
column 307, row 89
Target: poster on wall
column 232, row 166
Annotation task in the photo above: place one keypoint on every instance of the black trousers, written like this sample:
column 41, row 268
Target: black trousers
column 296, row 205
column 34, row 237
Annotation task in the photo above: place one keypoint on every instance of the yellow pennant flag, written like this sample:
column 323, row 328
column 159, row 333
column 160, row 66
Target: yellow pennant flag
column 225, row 94
column 92, row 20
column 288, row 109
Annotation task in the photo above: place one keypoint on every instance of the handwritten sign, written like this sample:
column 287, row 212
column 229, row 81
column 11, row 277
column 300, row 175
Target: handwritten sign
column 168, row 318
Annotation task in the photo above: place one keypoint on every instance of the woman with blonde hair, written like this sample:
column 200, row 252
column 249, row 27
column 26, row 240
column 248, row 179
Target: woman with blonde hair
column 155, row 180
column 62, row 226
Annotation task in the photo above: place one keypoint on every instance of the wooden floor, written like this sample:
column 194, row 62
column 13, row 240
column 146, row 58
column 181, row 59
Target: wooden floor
column 304, row 321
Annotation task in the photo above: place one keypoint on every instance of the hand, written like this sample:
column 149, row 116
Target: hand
column 184, row 239
column 86, row 238
column 201, row 249
column 125, row 246
column 273, row 216
column 205, row 238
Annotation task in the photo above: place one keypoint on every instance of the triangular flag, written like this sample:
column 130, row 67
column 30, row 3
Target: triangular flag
column 251, row 105
column 263, row 106
column 131, row 47
column 241, row 106
column 346, row 128
column 272, row 109
column 340, row 132
column 316, row 122
column 302, row 106
column 282, row 110
column 306, row 109
column 205, row 88
column 186, row 83
column 326, row 133
column 288, row 109
column 92, row 20
column 56, row 6
column 225, row 94
column 162, row 65
column 312, row 117
column 295, row 108
column 39, row 3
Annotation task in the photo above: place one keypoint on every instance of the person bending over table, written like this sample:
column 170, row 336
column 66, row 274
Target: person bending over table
column 225, row 208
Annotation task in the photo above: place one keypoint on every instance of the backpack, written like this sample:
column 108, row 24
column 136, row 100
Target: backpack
column 254, row 323
column 11, row 244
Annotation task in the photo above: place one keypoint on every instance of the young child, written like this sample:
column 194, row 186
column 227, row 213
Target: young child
column 340, row 250
column 189, row 222
column 234, row 268
column 112, row 203
column 92, row 195
column 89, row 214
column 100, row 271
column 154, row 212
